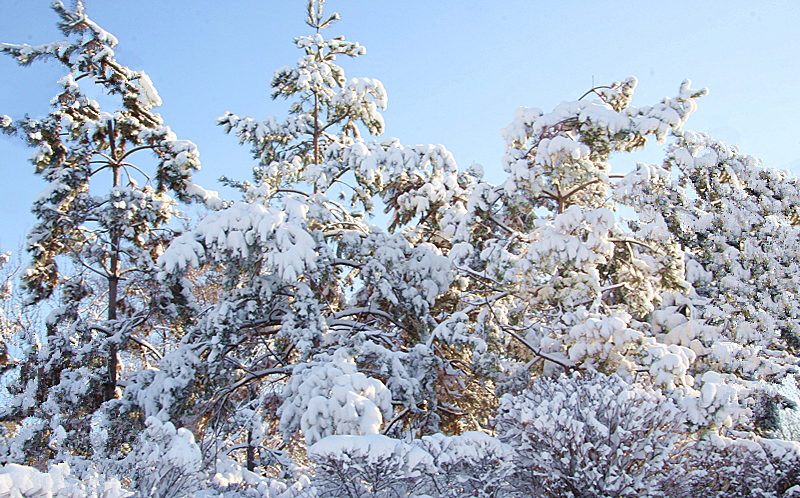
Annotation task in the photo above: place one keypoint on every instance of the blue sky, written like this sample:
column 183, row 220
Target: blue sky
column 455, row 71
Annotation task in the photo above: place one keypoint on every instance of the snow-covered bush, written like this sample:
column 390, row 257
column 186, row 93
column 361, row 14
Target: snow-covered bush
column 165, row 461
column 722, row 466
column 590, row 435
column 471, row 464
column 374, row 465
column 17, row 481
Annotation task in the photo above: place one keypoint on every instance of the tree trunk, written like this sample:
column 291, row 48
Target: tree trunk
column 111, row 380
column 113, row 281
column 251, row 454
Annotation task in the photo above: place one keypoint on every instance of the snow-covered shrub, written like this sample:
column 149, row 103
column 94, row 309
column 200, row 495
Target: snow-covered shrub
column 17, row 481
column 165, row 461
column 232, row 480
column 736, row 467
column 470, row 464
column 589, row 435
column 373, row 465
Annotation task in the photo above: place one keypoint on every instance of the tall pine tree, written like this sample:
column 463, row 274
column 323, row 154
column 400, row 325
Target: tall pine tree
column 102, row 221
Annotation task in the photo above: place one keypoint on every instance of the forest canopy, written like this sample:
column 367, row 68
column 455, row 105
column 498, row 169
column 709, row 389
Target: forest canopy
column 369, row 318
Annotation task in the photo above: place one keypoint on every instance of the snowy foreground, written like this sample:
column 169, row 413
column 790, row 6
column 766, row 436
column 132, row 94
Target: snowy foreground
column 17, row 481
column 570, row 331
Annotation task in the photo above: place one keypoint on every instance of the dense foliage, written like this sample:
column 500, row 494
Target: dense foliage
column 516, row 339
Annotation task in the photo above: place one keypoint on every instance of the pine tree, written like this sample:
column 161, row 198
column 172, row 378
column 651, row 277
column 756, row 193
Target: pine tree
column 322, row 319
column 553, row 281
column 101, row 223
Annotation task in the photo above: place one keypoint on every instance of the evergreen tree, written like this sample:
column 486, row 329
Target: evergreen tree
column 322, row 319
column 102, row 221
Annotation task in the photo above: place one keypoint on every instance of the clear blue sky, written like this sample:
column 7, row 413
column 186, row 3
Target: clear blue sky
column 455, row 71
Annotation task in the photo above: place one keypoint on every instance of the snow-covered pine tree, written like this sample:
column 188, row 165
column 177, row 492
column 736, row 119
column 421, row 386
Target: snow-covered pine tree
column 551, row 281
column 324, row 323
column 592, row 355
column 737, row 223
column 692, row 297
column 102, row 221
column 541, row 277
